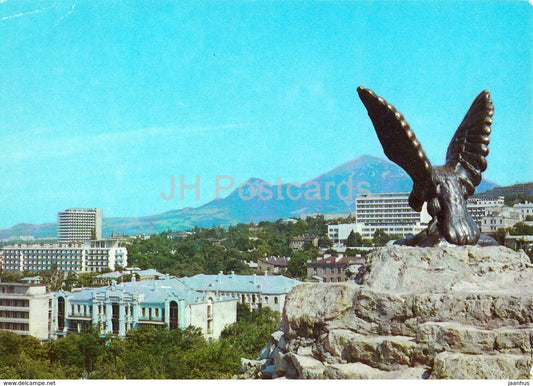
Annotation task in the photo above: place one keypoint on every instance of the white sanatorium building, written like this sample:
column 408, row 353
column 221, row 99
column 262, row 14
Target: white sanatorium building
column 78, row 225
column 91, row 256
column 256, row 291
column 118, row 308
column 26, row 310
column 391, row 213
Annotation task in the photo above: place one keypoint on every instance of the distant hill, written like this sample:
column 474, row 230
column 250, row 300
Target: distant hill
column 256, row 201
column 38, row 231
column 517, row 190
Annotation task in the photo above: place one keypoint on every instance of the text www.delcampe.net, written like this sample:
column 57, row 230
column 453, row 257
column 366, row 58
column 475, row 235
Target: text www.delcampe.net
column 29, row 383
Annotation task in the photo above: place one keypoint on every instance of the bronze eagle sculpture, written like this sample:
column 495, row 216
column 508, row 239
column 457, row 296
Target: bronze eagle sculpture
column 445, row 188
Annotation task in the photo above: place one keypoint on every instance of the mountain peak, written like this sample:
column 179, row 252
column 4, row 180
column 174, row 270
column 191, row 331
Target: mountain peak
column 364, row 161
column 255, row 181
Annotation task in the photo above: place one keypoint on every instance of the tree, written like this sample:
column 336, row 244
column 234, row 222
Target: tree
column 11, row 276
column 520, row 229
column 52, row 278
column 380, row 237
column 332, row 252
column 515, row 199
column 111, row 363
column 367, row 243
column 86, row 279
column 70, row 281
column 354, row 240
column 500, row 235
column 325, row 242
column 252, row 330
column 298, row 265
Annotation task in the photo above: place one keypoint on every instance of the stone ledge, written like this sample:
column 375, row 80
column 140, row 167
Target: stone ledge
column 362, row 371
column 452, row 312
column 467, row 366
column 386, row 353
column 455, row 337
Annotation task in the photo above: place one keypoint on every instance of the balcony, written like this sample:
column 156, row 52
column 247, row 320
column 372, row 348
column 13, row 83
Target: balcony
column 79, row 317
column 14, row 320
column 151, row 321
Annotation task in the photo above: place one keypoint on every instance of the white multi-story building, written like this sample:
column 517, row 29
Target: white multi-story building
column 26, row 310
column 502, row 217
column 256, row 291
column 338, row 233
column 116, row 309
column 91, row 256
column 389, row 212
column 79, row 225
column 481, row 207
column 526, row 208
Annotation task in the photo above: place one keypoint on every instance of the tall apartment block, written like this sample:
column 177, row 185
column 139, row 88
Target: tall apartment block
column 78, row 225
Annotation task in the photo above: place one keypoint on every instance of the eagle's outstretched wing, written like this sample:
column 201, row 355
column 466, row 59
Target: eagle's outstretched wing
column 400, row 145
column 469, row 146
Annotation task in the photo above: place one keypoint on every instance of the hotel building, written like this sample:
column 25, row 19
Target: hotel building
column 389, row 212
column 91, row 256
column 79, row 225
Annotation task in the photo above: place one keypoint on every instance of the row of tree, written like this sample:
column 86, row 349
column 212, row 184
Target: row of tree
column 379, row 239
column 145, row 353
column 218, row 249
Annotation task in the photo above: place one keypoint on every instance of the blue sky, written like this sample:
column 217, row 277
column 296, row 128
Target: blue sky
column 101, row 101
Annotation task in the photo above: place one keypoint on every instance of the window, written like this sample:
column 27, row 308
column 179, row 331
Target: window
column 210, row 308
column 173, row 315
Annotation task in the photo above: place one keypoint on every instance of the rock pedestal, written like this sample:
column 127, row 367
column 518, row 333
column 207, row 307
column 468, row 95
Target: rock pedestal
column 444, row 312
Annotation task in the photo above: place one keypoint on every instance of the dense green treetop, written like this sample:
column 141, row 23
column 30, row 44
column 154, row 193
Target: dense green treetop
column 218, row 249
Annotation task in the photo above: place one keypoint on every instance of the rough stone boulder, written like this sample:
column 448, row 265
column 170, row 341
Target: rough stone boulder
column 444, row 312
